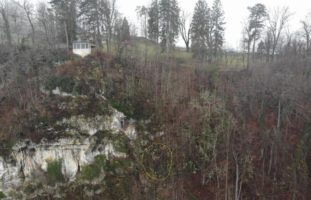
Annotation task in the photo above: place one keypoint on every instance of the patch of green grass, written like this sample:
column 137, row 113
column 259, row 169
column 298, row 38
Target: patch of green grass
column 101, row 164
column 122, row 144
column 182, row 56
column 142, row 49
column 146, row 50
column 54, row 172
column 92, row 171
column 2, row 195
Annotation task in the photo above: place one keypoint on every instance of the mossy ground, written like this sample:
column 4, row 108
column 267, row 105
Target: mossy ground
column 54, row 172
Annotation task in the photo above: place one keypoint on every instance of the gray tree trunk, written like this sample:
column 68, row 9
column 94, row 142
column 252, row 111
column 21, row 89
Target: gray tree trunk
column 7, row 28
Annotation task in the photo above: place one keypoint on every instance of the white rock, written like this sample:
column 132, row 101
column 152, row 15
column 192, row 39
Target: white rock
column 29, row 158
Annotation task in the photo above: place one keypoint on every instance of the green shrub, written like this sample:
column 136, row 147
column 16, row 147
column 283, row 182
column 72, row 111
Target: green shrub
column 51, row 83
column 66, row 84
column 2, row 195
column 6, row 148
column 54, row 172
column 93, row 171
column 110, row 167
column 90, row 172
column 126, row 109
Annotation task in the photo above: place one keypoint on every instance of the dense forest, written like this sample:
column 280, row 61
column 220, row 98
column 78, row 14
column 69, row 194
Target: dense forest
column 210, row 123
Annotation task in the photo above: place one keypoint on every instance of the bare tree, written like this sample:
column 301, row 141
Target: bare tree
column 29, row 10
column 142, row 12
column 42, row 15
column 257, row 18
column 66, row 18
column 153, row 21
column 46, row 24
column 4, row 9
column 91, row 14
column 110, row 15
column 277, row 22
column 306, row 25
column 247, row 40
column 268, row 45
column 185, row 29
column 133, row 29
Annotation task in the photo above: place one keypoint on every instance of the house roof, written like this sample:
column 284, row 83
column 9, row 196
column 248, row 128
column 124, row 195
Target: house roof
column 81, row 41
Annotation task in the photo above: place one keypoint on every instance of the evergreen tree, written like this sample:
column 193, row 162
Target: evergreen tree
column 125, row 31
column 261, row 49
column 257, row 17
column 123, row 35
column 91, row 15
column 169, row 23
column 218, row 27
column 153, row 22
column 200, row 30
column 142, row 12
column 66, row 15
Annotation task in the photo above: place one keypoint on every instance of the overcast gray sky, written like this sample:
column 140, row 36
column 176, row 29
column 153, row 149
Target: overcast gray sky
column 235, row 13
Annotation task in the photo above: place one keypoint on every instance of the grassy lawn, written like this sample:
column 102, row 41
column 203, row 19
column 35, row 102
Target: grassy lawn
column 145, row 49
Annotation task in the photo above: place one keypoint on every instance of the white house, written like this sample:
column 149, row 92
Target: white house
column 82, row 48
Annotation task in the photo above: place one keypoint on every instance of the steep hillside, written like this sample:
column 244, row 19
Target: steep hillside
column 120, row 128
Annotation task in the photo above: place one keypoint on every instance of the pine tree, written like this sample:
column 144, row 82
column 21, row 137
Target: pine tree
column 66, row 15
column 91, row 15
column 169, row 23
column 257, row 17
column 153, row 22
column 218, row 27
column 200, row 31
column 123, row 35
column 125, row 31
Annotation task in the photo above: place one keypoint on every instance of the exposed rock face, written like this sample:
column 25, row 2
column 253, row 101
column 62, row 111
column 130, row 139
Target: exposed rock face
column 29, row 161
column 91, row 126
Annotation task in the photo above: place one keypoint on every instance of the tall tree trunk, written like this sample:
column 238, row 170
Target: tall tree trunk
column 108, row 45
column 254, row 46
column 237, row 178
column 46, row 34
column 187, row 46
column 7, row 27
column 248, row 53
column 308, row 43
column 66, row 34
column 109, row 40
column 273, row 52
column 268, row 55
column 32, row 28
column 98, row 34
column 109, row 35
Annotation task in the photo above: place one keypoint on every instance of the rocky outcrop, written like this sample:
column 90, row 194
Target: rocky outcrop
column 29, row 161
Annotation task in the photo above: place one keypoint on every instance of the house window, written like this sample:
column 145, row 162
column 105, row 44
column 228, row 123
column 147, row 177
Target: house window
column 81, row 46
